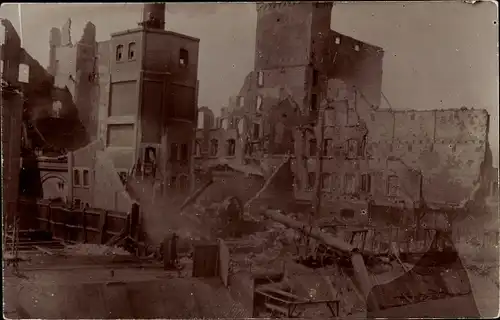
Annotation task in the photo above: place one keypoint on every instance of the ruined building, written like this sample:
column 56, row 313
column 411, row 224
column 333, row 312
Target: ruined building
column 315, row 93
column 118, row 83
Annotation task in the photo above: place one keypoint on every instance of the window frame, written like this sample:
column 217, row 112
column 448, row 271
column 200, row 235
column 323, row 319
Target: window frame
column 231, row 147
column 183, row 58
column 214, row 148
column 77, row 177
column 260, row 79
column 131, row 50
column 119, row 53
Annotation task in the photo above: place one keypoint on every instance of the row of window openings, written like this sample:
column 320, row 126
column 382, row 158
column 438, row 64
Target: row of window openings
column 331, row 182
column 182, row 183
column 81, row 177
column 183, row 54
column 214, row 148
column 260, row 78
column 353, row 148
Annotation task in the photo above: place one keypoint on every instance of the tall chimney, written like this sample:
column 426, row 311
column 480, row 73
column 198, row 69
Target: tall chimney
column 153, row 16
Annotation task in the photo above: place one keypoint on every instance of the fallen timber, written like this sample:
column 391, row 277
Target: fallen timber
column 360, row 272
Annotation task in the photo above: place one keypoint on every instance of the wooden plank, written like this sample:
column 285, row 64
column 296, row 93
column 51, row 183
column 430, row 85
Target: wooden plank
column 268, row 295
column 102, row 226
column 224, row 260
column 283, row 293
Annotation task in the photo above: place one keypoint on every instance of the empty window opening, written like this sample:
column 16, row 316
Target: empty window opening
column 131, row 51
column 77, row 203
column 119, row 52
column 56, row 109
column 76, row 177
column 184, row 152
column 410, row 147
column 325, row 181
column 349, row 184
column 259, row 103
column 260, row 79
column 231, row 147
column 366, row 181
column 362, row 147
column 60, row 186
column 314, row 102
column 327, row 147
column 347, row 213
column 241, row 126
column 337, row 40
column 241, row 102
column 183, row 58
column 24, row 73
column 123, row 176
column 311, row 179
column 352, row 149
column 197, row 148
column 412, row 116
column 315, row 77
column 150, row 155
column 335, row 182
column 392, row 186
column 356, row 47
column 225, row 123
column 214, row 146
column 173, row 182
column 256, row 131
column 174, row 151
column 86, row 178
column 313, row 147
column 183, row 183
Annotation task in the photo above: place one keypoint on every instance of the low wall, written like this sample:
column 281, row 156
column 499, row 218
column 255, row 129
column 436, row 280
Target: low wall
column 76, row 225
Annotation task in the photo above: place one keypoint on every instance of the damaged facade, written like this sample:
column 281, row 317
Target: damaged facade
column 315, row 93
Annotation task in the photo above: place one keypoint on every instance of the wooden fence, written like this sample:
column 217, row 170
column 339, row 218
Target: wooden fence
column 80, row 225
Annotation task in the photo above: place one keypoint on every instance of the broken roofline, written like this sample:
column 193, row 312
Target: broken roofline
column 462, row 109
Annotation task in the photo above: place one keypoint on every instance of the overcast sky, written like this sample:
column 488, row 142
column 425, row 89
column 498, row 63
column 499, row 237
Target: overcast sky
column 437, row 55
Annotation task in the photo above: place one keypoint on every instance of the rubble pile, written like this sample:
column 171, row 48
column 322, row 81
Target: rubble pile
column 86, row 249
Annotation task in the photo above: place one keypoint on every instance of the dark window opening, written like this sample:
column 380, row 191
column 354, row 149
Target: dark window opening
column 183, row 58
column 119, row 52
column 76, row 177
column 214, row 147
column 393, row 186
column 313, row 147
column 349, row 184
column 231, row 147
column 314, row 102
column 256, row 131
column 174, row 152
column 347, row 213
column 183, row 183
column 197, row 148
column 352, row 146
column 327, row 147
column 325, row 181
column 173, row 181
column 77, row 203
column 131, row 50
column 150, row 155
column 184, row 152
column 123, row 176
column 315, row 77
column 494, row 188
column 366, row 183
column 86, row 178
column 311, row 179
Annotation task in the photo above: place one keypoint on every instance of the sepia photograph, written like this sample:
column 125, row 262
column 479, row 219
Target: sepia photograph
column 236, row 160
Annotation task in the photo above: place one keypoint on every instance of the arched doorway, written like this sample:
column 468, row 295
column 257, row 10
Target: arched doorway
column 54, row 187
